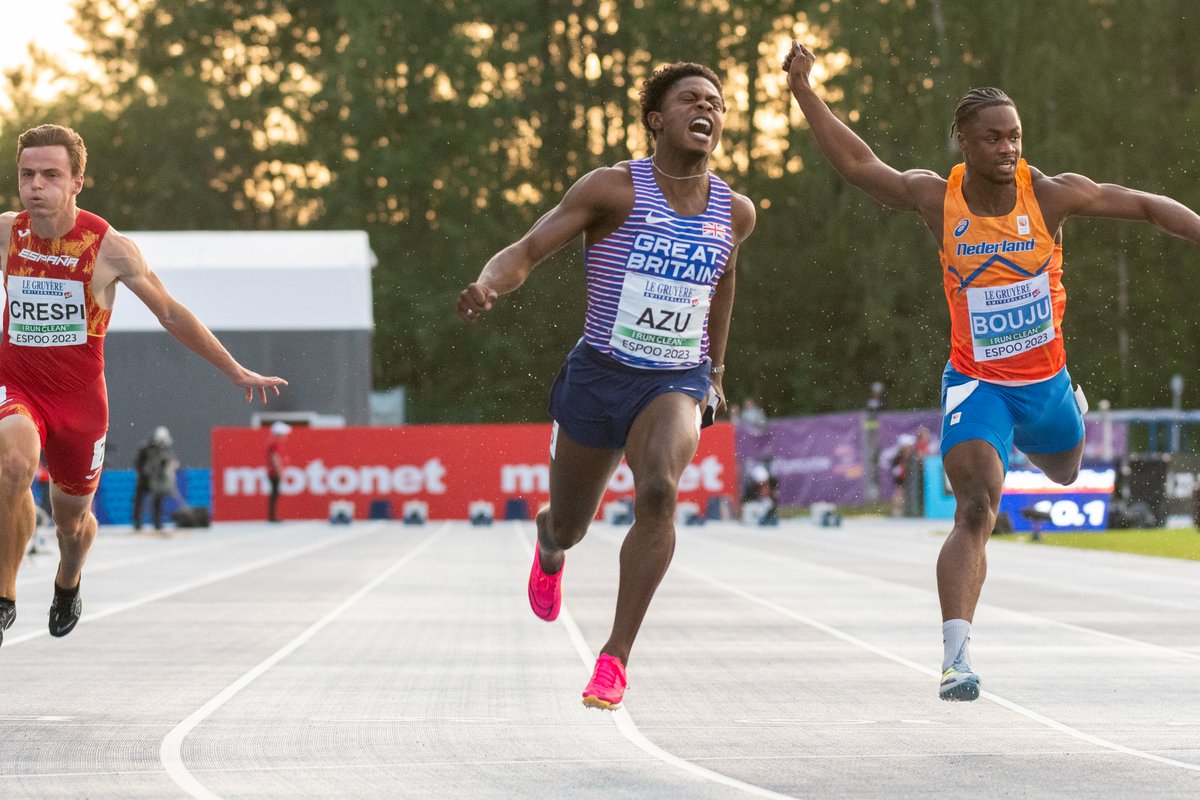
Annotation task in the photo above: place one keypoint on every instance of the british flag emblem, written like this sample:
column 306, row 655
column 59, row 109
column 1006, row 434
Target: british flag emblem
column 715, row 229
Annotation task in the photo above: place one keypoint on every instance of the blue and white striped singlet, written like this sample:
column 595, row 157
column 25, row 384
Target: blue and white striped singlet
column 650, row 283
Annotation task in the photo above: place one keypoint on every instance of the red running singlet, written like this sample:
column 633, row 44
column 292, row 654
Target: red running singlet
column 52, row 353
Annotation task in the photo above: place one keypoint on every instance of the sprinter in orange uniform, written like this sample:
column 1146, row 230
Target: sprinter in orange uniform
column 998, row 226
column 61, row 270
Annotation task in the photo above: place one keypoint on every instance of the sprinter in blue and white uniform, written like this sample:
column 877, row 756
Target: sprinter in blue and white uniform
column 661, row 240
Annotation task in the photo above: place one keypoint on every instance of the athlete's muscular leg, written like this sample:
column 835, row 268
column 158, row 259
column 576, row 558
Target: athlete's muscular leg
column 1062, row 468
column 20, row 449
column 661, row 443
column 976, row 475
column 578, row 477
column 76, row 526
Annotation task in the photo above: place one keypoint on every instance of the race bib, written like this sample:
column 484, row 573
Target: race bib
column 661, row 320
column 1012, row 319
column 46, row 312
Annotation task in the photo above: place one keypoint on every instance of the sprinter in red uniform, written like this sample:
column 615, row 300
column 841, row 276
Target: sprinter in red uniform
column 61, row 270
column 998, row 224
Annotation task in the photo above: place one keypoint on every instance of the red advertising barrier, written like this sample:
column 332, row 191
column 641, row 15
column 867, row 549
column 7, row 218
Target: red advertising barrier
column 447, row 466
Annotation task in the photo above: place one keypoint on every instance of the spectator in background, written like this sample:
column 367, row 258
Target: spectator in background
column 276, row 462
column 899, row 465
column 753, row 416
column 761, row 484
column 156, row 465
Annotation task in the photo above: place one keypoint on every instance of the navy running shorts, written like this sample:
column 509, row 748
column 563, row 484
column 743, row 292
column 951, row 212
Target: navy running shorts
column 595, row 399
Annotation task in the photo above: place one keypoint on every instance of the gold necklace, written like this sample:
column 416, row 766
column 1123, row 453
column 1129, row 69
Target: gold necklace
column 675, row 177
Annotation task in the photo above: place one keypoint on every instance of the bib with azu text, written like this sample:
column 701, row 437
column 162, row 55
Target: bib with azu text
column 661, row 320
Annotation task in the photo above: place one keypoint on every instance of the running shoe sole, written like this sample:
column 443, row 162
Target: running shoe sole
column 591, row 701
column 965, row 690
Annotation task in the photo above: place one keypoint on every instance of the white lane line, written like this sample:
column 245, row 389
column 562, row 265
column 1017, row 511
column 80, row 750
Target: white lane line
column 838, row 547
column 170, row 753
column 105, row 566
column 1022, row 615
column 89, row 617
column 625, row 722
column 879, row 651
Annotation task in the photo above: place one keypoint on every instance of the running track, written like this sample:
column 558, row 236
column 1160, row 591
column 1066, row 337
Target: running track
column 380, row 660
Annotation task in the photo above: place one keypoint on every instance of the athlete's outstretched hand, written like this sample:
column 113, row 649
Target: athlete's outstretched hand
column 474, row 300
column 253, row 382
column 798, row 64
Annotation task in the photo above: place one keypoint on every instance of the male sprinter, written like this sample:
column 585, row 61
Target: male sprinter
column 998, row 226
column 61, row 269
column 661, row 239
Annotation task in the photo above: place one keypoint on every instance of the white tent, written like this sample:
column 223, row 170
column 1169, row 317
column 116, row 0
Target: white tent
column 258, row 280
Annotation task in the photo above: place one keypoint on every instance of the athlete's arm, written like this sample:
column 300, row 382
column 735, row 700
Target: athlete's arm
column 594, row 199
column 6, row 223
column 1071, row 194
column 721, row 310
column 913, row 190
column 121, row 260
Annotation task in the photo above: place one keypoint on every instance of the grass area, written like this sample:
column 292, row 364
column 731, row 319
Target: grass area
column 1172, row 543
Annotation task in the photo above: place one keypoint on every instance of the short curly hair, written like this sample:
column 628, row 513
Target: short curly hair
column 655, row 88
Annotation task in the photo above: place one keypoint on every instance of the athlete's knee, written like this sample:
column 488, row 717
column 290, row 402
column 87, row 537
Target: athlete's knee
column 18, row 467
column 656, row 496
column 556, row 530
column 973, row 511
column 74, row 525
column 1063, row 475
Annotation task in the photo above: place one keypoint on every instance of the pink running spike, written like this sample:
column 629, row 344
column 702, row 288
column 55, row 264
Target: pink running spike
column 545, row 591
column 608, row 684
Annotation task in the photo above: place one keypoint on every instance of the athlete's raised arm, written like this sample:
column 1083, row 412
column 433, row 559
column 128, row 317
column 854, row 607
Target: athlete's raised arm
column 595, row 201
column 121, row 260
column 849, row 154
column 1071, row 194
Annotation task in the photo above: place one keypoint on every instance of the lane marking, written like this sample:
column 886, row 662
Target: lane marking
column 625, row 722
column 999, row 609
column 836, row 547
column 90, row 617
column 106, row 566
column 170, row 753
column 879, row 651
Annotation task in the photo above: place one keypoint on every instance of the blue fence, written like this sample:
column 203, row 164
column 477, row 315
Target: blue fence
column 114, row 498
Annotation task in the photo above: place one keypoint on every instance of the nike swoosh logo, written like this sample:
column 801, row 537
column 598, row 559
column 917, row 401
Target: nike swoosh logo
column 23, row 233
column 656, row 219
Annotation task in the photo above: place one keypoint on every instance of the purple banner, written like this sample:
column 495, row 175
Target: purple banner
column 824, row 458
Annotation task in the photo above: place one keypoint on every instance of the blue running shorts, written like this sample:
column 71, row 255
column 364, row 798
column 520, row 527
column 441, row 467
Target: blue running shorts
column 595, row 399
column 1043, row 417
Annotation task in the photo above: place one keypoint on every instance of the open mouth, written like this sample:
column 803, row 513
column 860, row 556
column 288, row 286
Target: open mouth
column 701, row 126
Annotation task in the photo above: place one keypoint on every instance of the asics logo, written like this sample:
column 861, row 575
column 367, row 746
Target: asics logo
column 654, row 218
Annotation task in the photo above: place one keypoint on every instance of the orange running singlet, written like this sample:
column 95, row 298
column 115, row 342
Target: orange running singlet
column 1003, row 281
column 52, row 353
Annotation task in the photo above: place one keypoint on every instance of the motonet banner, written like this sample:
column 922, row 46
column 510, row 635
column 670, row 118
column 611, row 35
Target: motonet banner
column 447, row 466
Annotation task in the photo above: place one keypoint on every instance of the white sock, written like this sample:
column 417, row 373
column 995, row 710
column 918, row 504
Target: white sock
column 956, row 638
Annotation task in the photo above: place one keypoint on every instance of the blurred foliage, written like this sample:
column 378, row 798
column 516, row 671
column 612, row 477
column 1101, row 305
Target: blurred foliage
column 444, row 128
